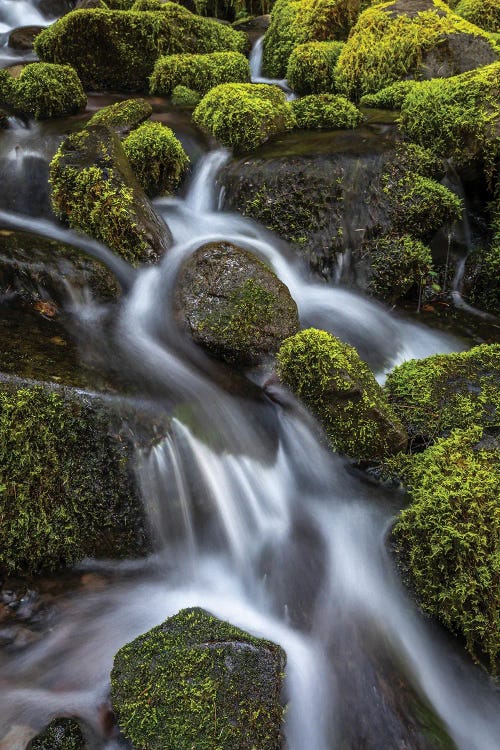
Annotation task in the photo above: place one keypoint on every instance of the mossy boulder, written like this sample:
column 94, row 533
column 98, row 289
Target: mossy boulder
column 341, row 391
column 185, row 97
column 94, row 190
column 482, row 277
column 60, row 734
column 233, row 305
column 123, row 116
column 447, row 540
column 244, row 115
column 435, row 395
column 193, row 675
column 198, row 72
column 311, row 67
column 43, row 90
column 400, row 266
column 406, row 39
column 117, row 50
column 325, row 111
column 483, row 13
column 157, row 158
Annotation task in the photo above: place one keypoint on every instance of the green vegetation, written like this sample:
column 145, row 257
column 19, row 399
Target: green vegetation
column 198, row 72
column 311, row 67
column 196, row 681
column 43, row 90
column 7, row 88
column 125, row 115
column 435, row 395
column 185, row 97
column 483, row 265
column 325, row 111
column 390, row 97
column 400, row 265
column 244, row 115
column 342, row 393
column 447, row 540
column 117, row 50
column 483, row 13
column 157, row 158
column 60, row 734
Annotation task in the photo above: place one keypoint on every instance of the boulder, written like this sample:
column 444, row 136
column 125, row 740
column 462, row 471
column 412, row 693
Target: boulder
column 123, row 116
column 24, row 37
column 60, row 734
column 233, row 305
column 195, row 675
column 198, row 72
column 43, row 90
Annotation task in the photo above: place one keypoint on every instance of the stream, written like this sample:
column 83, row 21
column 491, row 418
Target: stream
column 253, row 518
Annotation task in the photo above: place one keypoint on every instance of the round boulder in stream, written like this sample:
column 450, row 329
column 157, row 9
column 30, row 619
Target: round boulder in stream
column 198, row 682
column 233, row 305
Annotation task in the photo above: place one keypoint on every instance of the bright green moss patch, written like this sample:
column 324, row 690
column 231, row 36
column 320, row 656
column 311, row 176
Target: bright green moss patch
column 390, row 97
column 400, row 266
column 157, row 158
column 43, row 90
column 198, row 72
column 311, row 67
column 325, row 111
column 182, row 96
column 435, row 395
column 123, row 116
column 198, row 682
column 244, row 115
column 341, row 391
column 483, row 13
column 7, row 88
column 448, row 539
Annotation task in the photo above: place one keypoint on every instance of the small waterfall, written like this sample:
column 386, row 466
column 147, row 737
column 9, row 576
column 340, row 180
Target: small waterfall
column 15, row 13
column 256, row 70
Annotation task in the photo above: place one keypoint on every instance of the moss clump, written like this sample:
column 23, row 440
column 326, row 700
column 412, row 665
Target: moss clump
column 341, row 391
column 117, row 50
column 448, row 538
column 325, row 111
column 198, row 72
column 435, row 395
column 244, row 115
column 7, row 88
column 400, row 266
column 410, row 157
column 483, row 269
column 456, row 117
column 43, row 90
column 123, row 116
column 386, row 46
column 390, row 97
column 196, row 681
column 157, row 158
column 483, row 13
column 60, row 734
column 185, row 97
column 311, row 67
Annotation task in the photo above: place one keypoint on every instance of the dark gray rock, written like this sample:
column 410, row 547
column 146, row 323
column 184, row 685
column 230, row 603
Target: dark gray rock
column 23, row 37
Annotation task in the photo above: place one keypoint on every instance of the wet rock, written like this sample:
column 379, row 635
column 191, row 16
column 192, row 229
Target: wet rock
column 170, row 686
column 123, row 116
column 55, row 8
column 17, row 738
column 60, row 734
column 233, row 305
column 24, row 36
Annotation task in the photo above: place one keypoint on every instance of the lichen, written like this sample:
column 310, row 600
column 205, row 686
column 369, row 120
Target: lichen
column 157, row 158
column 311, row 67
column 399, row 266
column 44, row 90
column 325, row 111
column 198, row 72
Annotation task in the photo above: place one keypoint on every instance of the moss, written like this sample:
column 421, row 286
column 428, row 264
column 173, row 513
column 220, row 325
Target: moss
column 400, row 266
column 435, row 395
column 483, row 268
column 483, row 13
column 60, row 734
column 311, row 67
column 66, row 485
column 198, row 72
column 117, row 50
column 185, row 97
column 448, row 538
column 390, row 97
column 325, row 111
column 342, row 393
column 7, row 88
column 43, row 90
column 385, row 47
column 244, row 115
column 157, row 158
column 456, row 117
column 410, row 157
column 125, row 115
column 236, row 11
column 196, row 681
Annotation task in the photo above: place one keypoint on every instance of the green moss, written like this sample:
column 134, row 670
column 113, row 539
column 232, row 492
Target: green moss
column 390, row 97
column 60, row 734
column 147, row 5
column 236, row 11
column 325, row 111
column 311, row 67
column 157, row 158
column 483, row 266
column 400, row 266
column 410, row 157
column 196, row 681
column 198, row 72
column 483, row 13
column 126, row 115
column 448, row 538
column 185, row 97
column 117, row 50
column 342, row 393
column 435, row 395
column 43, row 90
column 456, row 117
column 7, row 88
column 244, row 115
column 385, row 47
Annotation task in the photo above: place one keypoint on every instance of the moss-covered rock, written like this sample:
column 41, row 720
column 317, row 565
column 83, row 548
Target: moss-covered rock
column 157, row 158
column 117, row 50
column 390, row 97
column 435, row 395
column 448, row 538
column 482, row 273
column 325, row 111
column 399, row 266
column 7, row 88
column 233, row 305
column 60, row 734
column 195, row 675
column 123, row 116
column 185, row 97
column 483, row 13
column 311, row 67
column 407, row 39
column 95, row 190
column 244, row 115
column 198, row 72
column 341, row 391
column 43, row 90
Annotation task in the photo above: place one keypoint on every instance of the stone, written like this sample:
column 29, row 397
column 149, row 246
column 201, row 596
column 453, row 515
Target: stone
column 23, row 37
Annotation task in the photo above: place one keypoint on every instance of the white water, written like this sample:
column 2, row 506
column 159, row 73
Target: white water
column 256, row 70
column 15, row 13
